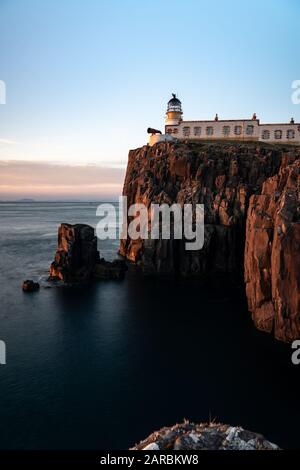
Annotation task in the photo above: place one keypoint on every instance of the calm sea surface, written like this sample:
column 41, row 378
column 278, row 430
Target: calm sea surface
column 101, row 367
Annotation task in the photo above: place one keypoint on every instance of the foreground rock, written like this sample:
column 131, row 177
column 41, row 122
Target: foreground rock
column 30, row 286
column 212, row 436
column 272, row 254
column 77, row 258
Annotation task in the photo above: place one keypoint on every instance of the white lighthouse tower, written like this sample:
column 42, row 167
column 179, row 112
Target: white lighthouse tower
column 174, row 111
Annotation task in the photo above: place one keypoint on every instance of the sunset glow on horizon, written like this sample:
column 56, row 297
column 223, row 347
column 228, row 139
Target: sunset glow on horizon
column 44, row 181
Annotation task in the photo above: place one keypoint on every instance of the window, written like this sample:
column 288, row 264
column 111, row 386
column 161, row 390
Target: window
column 278, row 134
column 226, row 130
column 186, row 131
column 249, row 129
column 209, row 130
column 290, row 134
column 169, row 130
column 238, row 130
column 175, row 131
column 197, row 130
column 265, row 135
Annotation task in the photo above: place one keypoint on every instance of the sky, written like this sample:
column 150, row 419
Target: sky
column 84, row 79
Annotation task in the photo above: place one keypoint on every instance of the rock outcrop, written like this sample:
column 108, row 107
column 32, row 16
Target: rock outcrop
column 204, row 436
column 76, row 254
column 272, row 254
column 30, row 286
column 225, row 177
column 77, row 257
column 110, row 269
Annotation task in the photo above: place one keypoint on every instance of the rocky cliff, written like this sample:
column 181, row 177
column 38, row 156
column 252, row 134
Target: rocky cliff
column 226, row 178
column 272, row 254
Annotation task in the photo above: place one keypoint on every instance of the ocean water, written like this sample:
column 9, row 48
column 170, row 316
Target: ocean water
column 102, row 366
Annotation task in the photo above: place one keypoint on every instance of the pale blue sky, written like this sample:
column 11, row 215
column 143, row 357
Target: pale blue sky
column 86, row 78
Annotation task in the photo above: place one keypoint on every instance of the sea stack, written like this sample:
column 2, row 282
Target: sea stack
column 77, row 257
column 76, row 254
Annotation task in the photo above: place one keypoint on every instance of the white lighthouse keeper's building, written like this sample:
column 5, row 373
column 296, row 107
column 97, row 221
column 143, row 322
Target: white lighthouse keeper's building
column 219, row 129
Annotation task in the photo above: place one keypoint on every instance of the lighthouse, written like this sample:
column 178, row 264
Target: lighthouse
column 249, row 129
column 174, row 111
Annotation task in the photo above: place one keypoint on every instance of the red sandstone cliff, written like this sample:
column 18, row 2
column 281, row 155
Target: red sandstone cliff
column 272, row 254
column 223, row 177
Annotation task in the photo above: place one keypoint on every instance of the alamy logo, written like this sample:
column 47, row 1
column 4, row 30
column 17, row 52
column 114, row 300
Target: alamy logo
column 159, row 221
column 296, row 354
column 296, row 94
column 2, row 92
column 2, row 352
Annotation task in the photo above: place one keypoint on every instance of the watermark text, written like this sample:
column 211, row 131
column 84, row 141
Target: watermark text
column 2, row 92
column 2, row 352
column 296, row 94
column 159, row 221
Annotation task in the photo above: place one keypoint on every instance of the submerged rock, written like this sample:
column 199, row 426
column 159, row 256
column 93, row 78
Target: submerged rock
column 204, row 436
column 30, row 286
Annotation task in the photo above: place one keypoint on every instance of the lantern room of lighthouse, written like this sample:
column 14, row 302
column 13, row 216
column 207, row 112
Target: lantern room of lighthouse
column 174, row 111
